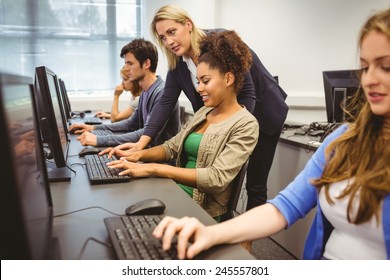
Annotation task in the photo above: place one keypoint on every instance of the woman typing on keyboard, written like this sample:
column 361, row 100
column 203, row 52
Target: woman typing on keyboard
column 347, row 179
column 212, row 147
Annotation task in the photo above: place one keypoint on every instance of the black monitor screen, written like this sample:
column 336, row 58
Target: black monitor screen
column 54, row 128
column 339, row 87
column 25, row 194
column 65, row 99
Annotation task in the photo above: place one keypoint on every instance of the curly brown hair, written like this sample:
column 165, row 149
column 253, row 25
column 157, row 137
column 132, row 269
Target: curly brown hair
column 226, row 52
column 362, row 153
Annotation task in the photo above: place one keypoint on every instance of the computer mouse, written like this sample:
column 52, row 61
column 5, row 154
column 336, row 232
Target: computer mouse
column 317, row 132
column 87, row 111
column 300, row 131
column 151, row 206
column 89, row 151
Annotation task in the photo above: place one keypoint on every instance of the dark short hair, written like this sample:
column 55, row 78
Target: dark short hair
column 142, row 50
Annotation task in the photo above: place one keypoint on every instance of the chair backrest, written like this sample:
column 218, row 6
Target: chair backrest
column 236, row 186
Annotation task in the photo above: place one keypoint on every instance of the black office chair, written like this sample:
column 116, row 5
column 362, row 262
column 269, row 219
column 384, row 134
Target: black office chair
column 236, row 185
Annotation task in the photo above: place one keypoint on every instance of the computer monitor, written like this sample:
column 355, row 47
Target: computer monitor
column 65, row 99
column 26, row 215
column 339, row 86
column 53, row 124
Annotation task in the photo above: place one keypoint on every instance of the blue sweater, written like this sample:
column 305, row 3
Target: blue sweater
column 300, row 196
column 133, row 127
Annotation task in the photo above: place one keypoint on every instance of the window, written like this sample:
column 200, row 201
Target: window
column 80, row 40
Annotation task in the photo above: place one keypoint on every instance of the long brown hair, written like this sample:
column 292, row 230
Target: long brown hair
column 361, row 154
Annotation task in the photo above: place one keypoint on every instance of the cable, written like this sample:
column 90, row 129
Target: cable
column 87, row 208
column 78, row 163
column 92, row 239
column 71, row 169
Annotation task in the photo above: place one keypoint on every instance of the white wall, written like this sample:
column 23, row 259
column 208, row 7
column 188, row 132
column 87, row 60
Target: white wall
column 295, row 39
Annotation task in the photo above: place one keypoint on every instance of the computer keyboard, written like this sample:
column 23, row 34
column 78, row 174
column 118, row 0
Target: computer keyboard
column 101, row 132
column 92, row 120
column 132, row 238
column 99, row 173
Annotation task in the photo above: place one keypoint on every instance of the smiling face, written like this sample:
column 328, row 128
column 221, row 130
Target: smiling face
column 215, row 88
column 375, row 65
column 176, row 37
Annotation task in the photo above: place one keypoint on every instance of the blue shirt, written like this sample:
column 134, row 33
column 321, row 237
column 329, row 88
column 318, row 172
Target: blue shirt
column 300, row 196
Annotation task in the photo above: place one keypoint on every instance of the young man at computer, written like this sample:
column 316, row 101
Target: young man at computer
column 141, row 59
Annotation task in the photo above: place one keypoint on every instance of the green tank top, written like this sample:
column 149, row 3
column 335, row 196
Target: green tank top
column 191, row 147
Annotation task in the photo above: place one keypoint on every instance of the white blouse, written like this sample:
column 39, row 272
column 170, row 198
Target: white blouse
column 350, row 241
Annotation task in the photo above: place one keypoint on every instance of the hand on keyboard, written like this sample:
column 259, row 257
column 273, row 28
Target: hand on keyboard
column 78, row 128
column 132, row 238
column 87, row 139
column 99, row 173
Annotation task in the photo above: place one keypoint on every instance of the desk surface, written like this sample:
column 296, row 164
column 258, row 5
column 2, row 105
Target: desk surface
column 302, row 141
column 74, row 229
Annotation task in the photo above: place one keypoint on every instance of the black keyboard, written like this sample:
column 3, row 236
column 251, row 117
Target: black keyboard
column 101, row 132
column 132, row 238
column 99, row 173
column 92, row 120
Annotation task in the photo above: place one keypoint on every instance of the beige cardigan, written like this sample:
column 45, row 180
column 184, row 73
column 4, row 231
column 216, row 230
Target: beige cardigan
column 224, row 148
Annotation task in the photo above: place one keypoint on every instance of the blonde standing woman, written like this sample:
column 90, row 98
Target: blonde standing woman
column 351, row 186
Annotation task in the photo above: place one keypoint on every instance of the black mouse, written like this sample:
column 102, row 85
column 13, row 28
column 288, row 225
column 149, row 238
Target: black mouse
column 89, row 151
column 151, row 206
column 317, row 133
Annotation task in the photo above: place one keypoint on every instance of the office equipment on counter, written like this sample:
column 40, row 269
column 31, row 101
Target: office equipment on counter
column 53, row 124
column 339, row 87
column 89, row 151
column 151, row 206
column 92, row 120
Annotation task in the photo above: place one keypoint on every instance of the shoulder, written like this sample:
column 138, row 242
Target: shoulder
column 246, row 116
column 337, row 133
column 203, row 111
column 160, row 82
column 158, row 86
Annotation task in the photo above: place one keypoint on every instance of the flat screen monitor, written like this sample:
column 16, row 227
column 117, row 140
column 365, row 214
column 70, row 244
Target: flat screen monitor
column 53, row 123
column 339, row 86
column 26, row 215
column 65, row 99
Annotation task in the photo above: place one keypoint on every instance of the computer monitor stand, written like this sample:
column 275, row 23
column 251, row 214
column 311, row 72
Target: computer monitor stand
column 58, row 174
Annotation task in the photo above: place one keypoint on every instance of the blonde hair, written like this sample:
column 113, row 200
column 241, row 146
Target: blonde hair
column 171, row 12
column 361, row 154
